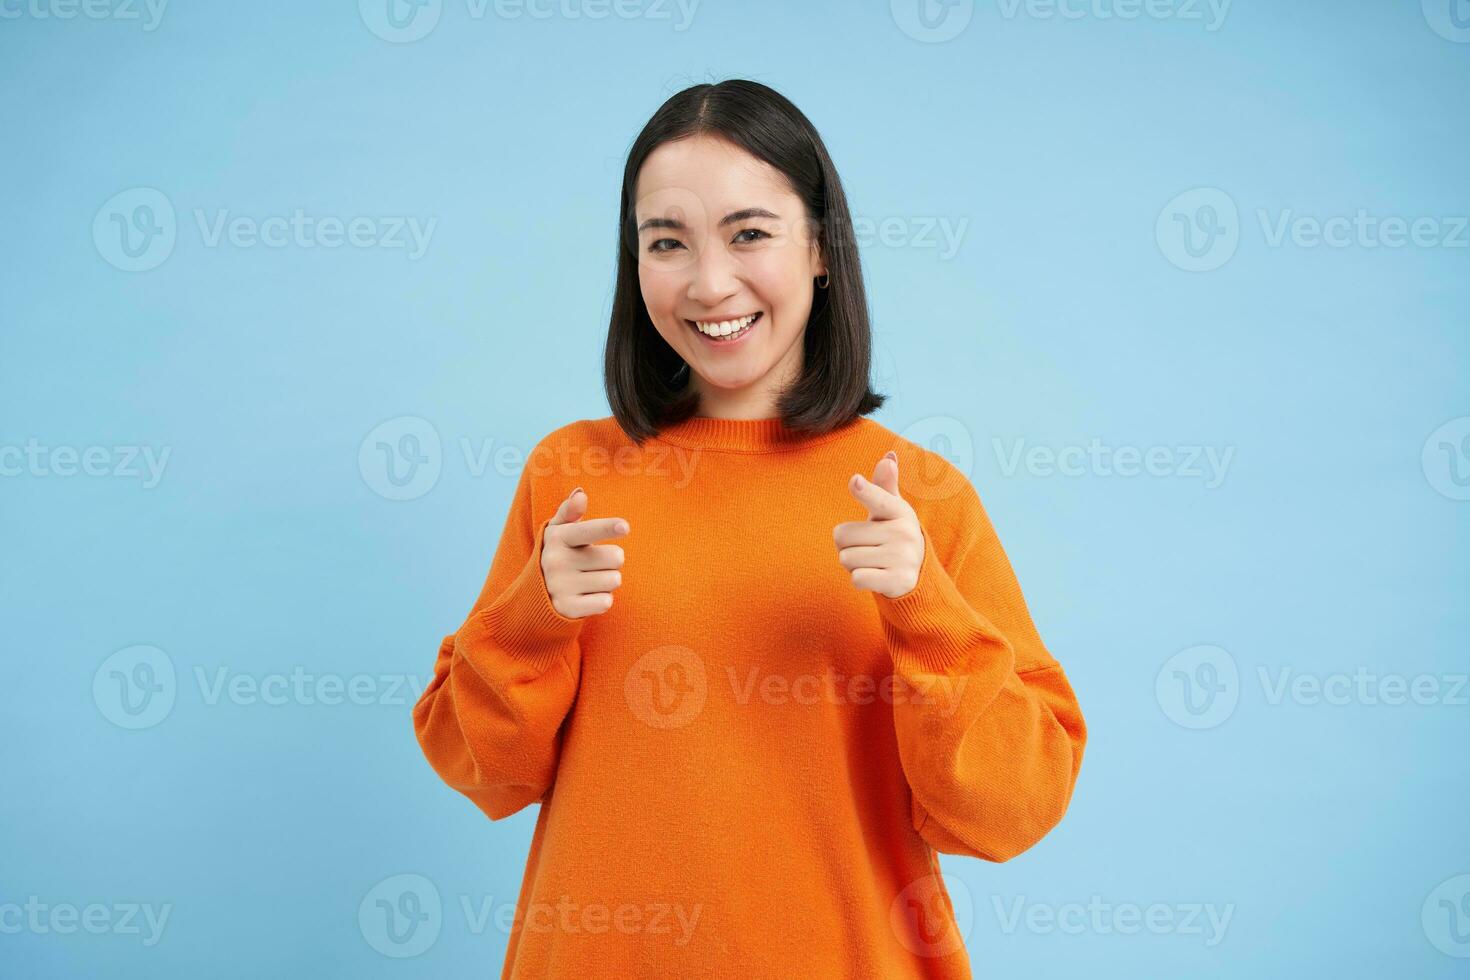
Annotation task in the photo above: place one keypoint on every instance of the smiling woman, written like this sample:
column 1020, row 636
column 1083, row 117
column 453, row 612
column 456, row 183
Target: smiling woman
column 810, row 682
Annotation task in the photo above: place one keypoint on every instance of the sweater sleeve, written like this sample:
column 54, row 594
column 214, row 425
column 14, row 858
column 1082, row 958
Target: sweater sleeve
column 990, row 735
column 490, row 720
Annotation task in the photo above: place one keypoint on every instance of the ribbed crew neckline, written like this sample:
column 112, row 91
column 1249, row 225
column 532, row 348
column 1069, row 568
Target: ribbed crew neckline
column 767, row 435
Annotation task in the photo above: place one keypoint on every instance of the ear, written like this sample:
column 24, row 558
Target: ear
column 817, row 254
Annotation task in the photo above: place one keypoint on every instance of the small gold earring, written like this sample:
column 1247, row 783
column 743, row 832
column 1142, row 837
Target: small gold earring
column 823, row 281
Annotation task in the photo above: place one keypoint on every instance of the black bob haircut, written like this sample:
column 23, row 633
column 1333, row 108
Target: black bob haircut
column 647, row 382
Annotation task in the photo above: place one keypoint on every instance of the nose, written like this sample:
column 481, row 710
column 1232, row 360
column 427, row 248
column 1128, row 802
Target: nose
column 716, row 277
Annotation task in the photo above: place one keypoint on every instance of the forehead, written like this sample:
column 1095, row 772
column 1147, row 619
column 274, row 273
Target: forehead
column 718, row 174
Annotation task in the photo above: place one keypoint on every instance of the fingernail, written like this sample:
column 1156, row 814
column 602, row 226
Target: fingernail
column 891, row 454
column 573, row 493
column 858, row 479
column 621, row 527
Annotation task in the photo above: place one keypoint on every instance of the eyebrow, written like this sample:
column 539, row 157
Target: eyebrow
column 743, row 214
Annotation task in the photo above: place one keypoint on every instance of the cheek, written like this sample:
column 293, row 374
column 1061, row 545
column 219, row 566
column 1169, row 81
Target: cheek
column 779, row 279
column 781, row 282
column 660, row 291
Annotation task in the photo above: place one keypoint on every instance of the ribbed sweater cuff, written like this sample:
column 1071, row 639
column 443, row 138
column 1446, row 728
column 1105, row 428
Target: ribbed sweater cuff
column 522, row 621
column 933, row 628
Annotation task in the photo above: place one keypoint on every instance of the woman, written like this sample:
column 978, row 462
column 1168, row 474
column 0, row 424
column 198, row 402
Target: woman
column 747, row 761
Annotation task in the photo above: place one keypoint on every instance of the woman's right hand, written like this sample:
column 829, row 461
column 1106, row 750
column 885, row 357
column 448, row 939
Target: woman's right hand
column 580, row 574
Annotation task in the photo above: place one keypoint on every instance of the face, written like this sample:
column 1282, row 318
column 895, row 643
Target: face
column 722, row 237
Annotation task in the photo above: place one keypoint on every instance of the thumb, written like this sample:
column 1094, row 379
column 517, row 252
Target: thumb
column 571, row 509
column 885, row 474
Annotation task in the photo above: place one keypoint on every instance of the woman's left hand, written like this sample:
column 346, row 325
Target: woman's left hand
column 886, row 551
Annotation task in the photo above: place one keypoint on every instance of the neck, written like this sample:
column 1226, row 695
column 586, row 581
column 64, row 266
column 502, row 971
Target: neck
column 715, row 403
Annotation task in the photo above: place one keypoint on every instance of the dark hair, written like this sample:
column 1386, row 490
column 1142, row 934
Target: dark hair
column 648, row 384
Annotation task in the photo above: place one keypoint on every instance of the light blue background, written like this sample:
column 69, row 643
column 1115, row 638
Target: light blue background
column 1063, row 317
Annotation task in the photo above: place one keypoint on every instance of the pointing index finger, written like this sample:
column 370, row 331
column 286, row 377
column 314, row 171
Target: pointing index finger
column 590, row 532
column 881, row 504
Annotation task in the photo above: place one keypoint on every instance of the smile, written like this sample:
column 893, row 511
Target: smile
column 725, row 331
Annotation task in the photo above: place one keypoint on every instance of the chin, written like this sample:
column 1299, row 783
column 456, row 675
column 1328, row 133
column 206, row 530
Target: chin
column 729, row 382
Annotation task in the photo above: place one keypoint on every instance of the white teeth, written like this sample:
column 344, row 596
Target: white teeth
column 724, row 328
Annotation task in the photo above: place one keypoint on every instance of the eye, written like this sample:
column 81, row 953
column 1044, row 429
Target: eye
column 751, row 231
column 653, row 246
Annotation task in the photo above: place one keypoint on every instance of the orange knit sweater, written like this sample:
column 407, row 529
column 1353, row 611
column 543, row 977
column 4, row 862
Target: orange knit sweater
column 746, row 765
